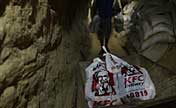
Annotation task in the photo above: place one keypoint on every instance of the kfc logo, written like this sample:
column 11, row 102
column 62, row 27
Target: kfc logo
column 132, row 76
column 103, row 83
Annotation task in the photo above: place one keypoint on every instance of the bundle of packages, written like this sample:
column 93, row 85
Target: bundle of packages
column 134, row 81
column 113, row 79
column 101, row 86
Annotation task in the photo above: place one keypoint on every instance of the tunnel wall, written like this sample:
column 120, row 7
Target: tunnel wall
column 38, row 56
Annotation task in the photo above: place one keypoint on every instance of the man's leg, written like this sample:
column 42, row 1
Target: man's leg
column 106, row 43
column 101, row 39
column 101, row 36
column 108, row 29
column 104, row 33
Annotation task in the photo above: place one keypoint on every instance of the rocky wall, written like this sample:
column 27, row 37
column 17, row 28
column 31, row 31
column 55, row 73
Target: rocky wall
column 38, row 58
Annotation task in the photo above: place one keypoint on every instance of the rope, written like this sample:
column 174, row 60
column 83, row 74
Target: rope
column 120, row 4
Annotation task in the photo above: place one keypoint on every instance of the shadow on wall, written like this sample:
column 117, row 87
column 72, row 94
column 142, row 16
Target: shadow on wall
column 67, row 10
column 3, row 4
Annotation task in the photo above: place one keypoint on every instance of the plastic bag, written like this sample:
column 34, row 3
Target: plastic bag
column 101, row 88
column 113, row 63
column 119, row 22
column 110, row 81
column 133, row 81
column 94, row 24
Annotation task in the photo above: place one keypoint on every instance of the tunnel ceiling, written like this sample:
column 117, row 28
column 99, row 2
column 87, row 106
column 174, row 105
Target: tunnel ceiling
column 67, row 10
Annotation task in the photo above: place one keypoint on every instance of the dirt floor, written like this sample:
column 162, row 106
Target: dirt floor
column 116, row 44
column 162, row 75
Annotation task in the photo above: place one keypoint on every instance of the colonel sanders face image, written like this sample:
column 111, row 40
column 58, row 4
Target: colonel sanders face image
column 103, row 85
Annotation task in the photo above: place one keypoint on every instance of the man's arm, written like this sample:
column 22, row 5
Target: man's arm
column 114, row 3
column 93, row 8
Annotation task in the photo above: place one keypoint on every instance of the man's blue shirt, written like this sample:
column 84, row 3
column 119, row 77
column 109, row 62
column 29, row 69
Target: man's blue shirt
column 104, row 8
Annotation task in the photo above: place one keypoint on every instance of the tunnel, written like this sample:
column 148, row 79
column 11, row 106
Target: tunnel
column 43, row 44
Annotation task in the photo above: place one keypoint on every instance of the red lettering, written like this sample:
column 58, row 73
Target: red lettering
column 131, row 94
column 137, row 94
column 127, row 80
column 142, row 94
column 135, row 78
column 145, row 93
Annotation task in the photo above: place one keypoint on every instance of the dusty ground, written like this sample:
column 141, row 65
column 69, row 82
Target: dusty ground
column 162, row 74
column 116, row 44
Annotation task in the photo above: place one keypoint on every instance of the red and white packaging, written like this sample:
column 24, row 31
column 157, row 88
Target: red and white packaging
column 133, row 81
column 101, row 88
column 109, row 81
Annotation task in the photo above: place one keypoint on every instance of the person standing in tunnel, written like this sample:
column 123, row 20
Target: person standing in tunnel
column 103, row 9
